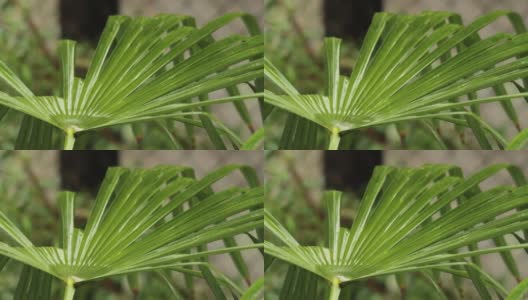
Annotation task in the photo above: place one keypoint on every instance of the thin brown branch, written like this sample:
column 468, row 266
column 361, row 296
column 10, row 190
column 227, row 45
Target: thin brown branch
column 112, row 286
column 300, row 32
column 36, row 33
column 375, row 136
column 403, row 135
column 111, row 136
column 376, row 287
column 35, row 182
column 299, row 183
column 403, row 292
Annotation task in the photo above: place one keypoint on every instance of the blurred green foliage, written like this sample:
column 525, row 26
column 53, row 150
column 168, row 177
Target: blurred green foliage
column 294, row 44
column 30, row 51
column 29, row 184
column 294, row 187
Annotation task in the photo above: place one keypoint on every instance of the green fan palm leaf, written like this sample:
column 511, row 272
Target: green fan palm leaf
column 143, row 220
column 400, row 226
column 519, row 141
column 397, row 76
column 518, row 292
column 141, row 71
column 255, row 292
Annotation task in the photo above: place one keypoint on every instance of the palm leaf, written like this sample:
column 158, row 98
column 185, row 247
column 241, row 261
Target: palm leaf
column 255, row 291
column 519, row 141
column 393, row 231
column 142, row 220
column 35, row 134
column 254, row 141
column 396, row 77
column 300, row 284
column 33, row 284
column 3, row 112
column 518, row 292
column 141, row 71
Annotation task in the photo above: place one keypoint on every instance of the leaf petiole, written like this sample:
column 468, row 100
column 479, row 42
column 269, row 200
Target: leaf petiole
column 335, row 290
column 69, row 139
column 69, row 292
column 334, row 139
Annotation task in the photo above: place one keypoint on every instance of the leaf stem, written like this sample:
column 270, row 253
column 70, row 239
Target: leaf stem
column 70, row 290
column 334, row 139
column 69, row 139
column 335, row 290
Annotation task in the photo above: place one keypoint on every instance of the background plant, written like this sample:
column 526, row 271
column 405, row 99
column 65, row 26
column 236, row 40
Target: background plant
column 154, row 284
column 311, row 135
column 220, row 135
column 301, row 212
column 395, row 236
